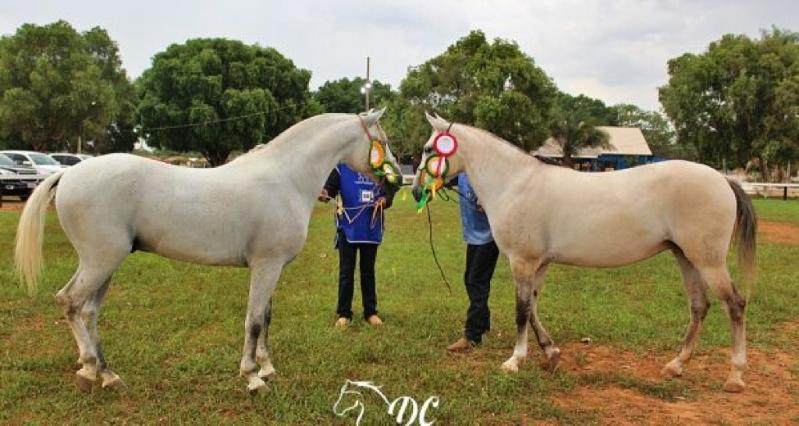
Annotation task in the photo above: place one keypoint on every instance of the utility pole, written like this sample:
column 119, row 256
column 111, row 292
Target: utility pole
column 368, row 84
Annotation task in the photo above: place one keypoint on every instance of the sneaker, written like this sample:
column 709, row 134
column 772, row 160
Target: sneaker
column 374, row 320
column 342, row 322
column 462, row 345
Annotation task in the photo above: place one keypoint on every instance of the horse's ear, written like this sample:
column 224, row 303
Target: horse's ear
column 438, row 123
column 372, row 116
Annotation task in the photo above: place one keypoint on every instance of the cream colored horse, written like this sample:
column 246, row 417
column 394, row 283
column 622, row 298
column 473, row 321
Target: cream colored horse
column 252, row 212
column 542, row 214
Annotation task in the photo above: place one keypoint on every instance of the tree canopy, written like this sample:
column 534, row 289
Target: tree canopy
column 57, row 84
column 491, row 85
column 737, row 100
column 243, row 94
column 344, row 95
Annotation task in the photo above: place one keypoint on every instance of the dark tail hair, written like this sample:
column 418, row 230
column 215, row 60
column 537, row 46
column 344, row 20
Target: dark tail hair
column 745, row 235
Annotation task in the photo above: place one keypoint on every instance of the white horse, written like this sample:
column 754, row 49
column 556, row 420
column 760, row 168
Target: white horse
column 541, row 214
column 252, row 212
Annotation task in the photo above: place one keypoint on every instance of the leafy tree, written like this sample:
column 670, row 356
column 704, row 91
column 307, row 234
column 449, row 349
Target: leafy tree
column 588, row 108
column 738, row 100
column 574, row 130
column 492, row 85
column 57, row 85
column 344, row 95
column 244, row 94
column 653, row 125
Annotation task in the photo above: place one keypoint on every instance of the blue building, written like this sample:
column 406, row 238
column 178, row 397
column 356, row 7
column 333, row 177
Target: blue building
column 628, row 148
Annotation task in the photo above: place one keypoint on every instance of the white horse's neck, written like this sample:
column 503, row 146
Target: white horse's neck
column 491, row 164
column 306, row 153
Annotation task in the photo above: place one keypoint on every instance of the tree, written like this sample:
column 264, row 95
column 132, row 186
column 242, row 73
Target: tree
column 574, row 130
column 588, row 108
column 57, row 85
column 216, row 95
column 737, row 100
column 655, row 127
column 344, row 95
column 491, row 85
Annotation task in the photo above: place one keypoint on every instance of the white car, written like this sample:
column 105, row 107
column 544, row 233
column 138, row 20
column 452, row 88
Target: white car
column 43, row 164
column 67, row 159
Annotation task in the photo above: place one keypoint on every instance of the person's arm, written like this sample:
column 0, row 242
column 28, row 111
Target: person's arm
column 388, row 195
column 332, row 186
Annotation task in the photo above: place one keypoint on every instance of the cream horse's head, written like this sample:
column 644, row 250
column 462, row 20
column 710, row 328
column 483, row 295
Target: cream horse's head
column 374, row 158
column 439, row 163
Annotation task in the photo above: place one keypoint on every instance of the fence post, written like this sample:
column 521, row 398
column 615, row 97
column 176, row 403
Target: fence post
column 785, row 193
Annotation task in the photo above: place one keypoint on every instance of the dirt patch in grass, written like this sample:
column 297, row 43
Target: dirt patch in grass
column 12, row 206
column 779, row 232
column 626, row 388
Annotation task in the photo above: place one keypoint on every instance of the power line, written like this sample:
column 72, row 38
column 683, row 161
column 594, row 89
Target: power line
column 205, row 123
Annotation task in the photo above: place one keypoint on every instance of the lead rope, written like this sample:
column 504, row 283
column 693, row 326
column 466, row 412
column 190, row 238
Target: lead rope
column 433, row 249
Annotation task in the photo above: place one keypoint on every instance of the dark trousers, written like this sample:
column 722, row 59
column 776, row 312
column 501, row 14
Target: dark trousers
column 346, row 276
column 480, row 263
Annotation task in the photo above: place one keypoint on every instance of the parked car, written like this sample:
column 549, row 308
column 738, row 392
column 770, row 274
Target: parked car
column 17, row 180
column 43, row 164
column 66, row 159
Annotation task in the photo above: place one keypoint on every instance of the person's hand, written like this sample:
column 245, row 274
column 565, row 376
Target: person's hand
column 380, row 202
column 323, row 196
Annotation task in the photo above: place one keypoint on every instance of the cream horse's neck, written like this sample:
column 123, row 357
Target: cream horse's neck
column 492, row 165
column 306, row 153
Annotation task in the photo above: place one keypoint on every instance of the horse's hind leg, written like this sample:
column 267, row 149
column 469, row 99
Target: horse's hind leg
column 263, row 279
column 524, row 272
column 81, row 298
column 718, row 278
column 699, row 305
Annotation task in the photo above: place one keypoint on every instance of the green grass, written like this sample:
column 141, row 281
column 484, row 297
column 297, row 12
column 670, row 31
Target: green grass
column 174, row 332
column 777, row 210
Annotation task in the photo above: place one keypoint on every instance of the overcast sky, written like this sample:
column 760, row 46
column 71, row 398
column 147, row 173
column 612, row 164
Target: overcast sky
column 615, row 50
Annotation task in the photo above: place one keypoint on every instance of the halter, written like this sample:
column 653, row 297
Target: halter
column 436, row 166
column 377, row 156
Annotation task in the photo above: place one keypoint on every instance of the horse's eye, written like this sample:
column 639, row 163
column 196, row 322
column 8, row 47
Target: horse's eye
column 428, row 149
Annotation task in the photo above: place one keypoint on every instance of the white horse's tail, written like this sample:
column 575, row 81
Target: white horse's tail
column 30, row 232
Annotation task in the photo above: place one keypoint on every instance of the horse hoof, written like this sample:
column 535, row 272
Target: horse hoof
column 83, row 384
column 671, row 370
column 113, row 383
column 255, row 385
column 553, row 360
column 734, row 386
column 267, row 373
column 510, row 366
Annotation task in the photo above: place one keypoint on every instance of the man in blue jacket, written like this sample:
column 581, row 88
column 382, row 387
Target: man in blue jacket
column 481, row 260
column 359, row 228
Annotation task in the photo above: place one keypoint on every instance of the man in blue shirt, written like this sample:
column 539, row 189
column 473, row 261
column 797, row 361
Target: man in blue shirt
column 481, row 259
column 359, row 228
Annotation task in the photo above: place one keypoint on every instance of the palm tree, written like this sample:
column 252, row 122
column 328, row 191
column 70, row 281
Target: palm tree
column 572, row 132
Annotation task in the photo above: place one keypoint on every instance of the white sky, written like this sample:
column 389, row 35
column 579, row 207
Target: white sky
column 614, row 50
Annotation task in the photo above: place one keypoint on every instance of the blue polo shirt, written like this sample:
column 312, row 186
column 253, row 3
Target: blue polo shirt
column 476, row 230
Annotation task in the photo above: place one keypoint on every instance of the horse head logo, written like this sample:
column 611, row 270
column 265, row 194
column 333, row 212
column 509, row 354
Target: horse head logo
column 349, row 400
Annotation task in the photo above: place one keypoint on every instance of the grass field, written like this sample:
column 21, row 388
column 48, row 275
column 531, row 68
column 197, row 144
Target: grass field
column 174, row 331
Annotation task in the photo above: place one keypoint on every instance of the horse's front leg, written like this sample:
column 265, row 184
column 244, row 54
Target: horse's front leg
column 263, row 279
column 544, row 341
column 523, row 273
column 262, row 349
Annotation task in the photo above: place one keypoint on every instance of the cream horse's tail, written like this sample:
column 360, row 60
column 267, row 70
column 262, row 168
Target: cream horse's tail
column 745, row 235
column 30, row 232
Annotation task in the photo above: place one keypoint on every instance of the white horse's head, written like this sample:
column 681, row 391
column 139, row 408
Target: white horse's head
column 349, row 400
column 441, row 159
column 373, row 157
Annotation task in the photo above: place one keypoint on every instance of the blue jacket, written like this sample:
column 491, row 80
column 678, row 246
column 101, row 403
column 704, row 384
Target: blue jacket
column 358, row 194
column 476, row 229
